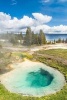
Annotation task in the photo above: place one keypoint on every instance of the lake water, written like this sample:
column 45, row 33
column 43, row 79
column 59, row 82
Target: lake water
column 51, row 37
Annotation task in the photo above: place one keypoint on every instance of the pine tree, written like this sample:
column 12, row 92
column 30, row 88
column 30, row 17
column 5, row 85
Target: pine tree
column 33, row 38
column 42, row 38
column 63, row 41
column 66, row 40
column 59, row 40
column 54, row 41
column 37, row 38
column 28, row 37
column 13, row 39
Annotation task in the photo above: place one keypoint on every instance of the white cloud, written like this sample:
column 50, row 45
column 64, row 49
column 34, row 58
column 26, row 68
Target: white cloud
column 61, row 29
column 7, row 23
column 4, row 16
column 36, row 29
column 47, row 29
column 14, row 2
column 42, row 18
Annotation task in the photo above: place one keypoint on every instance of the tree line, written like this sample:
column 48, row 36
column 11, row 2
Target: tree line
column 31, row 38
column 59, row 41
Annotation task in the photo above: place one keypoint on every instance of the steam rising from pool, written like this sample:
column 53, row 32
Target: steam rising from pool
column 33, row 79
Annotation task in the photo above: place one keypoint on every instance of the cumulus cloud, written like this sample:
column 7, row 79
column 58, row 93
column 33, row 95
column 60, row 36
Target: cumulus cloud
column 14, row 2
column 4, row 16
column 42, row 18
column 36, row 29
column 39, row 21
column 61, row 29
column 9, row 23
column 47, row 29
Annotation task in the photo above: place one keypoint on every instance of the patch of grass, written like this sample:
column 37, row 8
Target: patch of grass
column 55, row 52
column 22, row 55
column 6, row 95
column 62, row 95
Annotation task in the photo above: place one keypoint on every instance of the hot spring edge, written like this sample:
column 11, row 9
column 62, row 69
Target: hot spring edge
column 33, row 79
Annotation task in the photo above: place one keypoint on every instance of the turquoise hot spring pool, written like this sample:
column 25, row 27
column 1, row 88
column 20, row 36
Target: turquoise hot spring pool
column 33, row 79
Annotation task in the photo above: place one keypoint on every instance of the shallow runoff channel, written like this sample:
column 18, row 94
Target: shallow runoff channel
column 33, row 79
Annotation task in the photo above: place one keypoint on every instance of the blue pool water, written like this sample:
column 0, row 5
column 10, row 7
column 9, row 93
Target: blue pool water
column 39, row 79
column 33, row 79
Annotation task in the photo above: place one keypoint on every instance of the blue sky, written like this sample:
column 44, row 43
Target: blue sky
column 57, row 9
